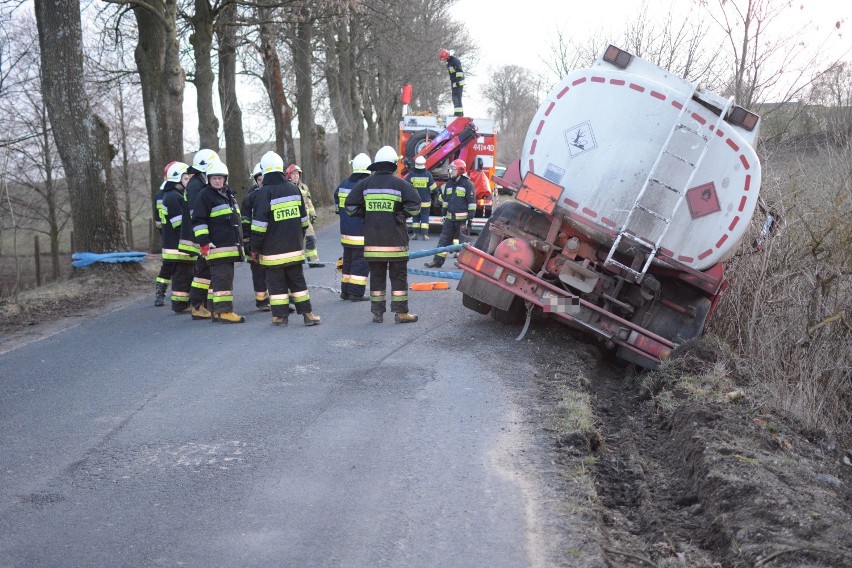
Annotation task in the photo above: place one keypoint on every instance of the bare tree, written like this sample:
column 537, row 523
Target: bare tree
column 511, row 94
column 162, row 80
column 81, row 136
column 833, row 93
column 203, row 21
column 232, row 115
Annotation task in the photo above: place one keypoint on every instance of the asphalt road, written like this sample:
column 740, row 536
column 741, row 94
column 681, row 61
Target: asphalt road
column 142, row 438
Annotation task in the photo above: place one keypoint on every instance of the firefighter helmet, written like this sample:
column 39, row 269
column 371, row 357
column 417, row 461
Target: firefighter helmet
column 257, row 171
column 420, row 162
column 444, row 54
column 460, row 166
column 293, row 168
column 217, row 168
column 203, row 158
column 176, row 171
column 360, row 163
column 271, row 162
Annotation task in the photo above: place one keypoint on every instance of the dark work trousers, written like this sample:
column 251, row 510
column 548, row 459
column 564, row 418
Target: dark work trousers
column 199, row 294
column 222, row 287
column 355, row 271
column 450, row 234
column 181, row 283
column 258, row 281
column 398, row 273
column 167, row 269
column 457, row 101
column 287, row 284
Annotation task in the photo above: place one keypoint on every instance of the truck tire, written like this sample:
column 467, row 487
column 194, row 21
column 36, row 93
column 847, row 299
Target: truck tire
column 472, row 303
column 514, row 315
column 417, row 142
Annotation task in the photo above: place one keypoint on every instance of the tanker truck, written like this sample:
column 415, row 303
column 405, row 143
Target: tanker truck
column 633, row 188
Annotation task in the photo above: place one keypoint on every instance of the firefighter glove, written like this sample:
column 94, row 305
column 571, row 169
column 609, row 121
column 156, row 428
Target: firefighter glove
column 254, row 256
column 205, row 250
column 313, row 219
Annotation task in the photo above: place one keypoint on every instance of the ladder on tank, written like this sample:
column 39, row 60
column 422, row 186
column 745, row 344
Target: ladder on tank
column 665, row 188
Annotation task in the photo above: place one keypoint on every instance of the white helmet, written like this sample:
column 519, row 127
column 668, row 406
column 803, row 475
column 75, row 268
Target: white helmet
column 217, row 168
column 420, row 162
column 175, row 171
column 360, row 163
column 203, row 158
column 271, row 162
column 258, row 171
column 386, row 154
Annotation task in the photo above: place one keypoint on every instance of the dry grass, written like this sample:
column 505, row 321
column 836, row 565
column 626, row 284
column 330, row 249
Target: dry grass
column 788, row 311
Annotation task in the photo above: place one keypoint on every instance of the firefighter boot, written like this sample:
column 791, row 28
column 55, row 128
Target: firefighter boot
column 160, row 298
column 405, row 318
column 262, row 305
column 434, row 264
column 311, row 318
column 230, row 317
column 200, row 313
column 279, row 320
column 378, row 318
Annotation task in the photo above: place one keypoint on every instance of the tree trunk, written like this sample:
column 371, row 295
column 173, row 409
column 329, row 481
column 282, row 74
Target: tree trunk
column 125, row 167
column 202, row 44
column 337, row 50
column 282, row 112
column 162, row 81
column 308, row 151
column 232, row 115
column 81, row 136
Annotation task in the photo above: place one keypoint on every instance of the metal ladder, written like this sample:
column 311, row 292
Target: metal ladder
column 669, row 178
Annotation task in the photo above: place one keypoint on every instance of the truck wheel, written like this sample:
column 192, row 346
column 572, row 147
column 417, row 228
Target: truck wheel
column 514, row 315
column 417, row 142
column 472, row 303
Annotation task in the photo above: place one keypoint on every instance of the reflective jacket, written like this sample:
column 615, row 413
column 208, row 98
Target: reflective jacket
column 159, row 213
column 187, row 237
column 351, row 228
column 246, row 208
column 458, row 199
column 424, row 183
column 278, row 223
column 216, row 222
column 384, row 201
column 173, row 208
column 456, row 73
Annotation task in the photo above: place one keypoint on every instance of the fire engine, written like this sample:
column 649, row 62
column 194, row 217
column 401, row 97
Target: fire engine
column 440, row 141
column 634, row 187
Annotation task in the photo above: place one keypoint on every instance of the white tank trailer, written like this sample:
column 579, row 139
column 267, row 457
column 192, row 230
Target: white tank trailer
column 636, row 186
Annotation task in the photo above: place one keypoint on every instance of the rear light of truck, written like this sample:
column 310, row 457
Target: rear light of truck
column 741, row 117
column 617, row 57
column 480, row 264
column 649, row 346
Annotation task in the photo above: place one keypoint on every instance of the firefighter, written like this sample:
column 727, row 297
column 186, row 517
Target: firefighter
column 424, row 183
column 258, row 274
column 278, row 226
column 174, row 207
column 167, row 268
column 216, row 225
column 353, row 281
column 385, row 201
column 456, row 79
column 294, row 174
column 200, row 300
column 458, row 204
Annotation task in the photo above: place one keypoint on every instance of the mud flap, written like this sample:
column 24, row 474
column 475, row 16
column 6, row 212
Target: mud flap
column 485, row 292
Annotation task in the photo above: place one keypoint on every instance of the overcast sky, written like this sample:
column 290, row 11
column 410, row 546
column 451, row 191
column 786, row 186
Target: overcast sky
column 521, row 32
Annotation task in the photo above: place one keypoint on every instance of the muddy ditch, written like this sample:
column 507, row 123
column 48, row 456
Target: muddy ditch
column 687, row 472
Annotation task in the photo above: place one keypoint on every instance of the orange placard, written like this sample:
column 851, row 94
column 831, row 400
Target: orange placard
column 539, row 193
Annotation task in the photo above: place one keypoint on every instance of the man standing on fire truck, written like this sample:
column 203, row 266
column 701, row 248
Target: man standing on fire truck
column 456, row 79
column 458, row 199
column 385, row 201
